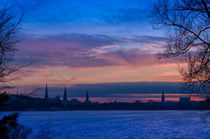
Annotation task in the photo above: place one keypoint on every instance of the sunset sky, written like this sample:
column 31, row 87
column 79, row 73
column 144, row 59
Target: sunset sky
column 90, row 42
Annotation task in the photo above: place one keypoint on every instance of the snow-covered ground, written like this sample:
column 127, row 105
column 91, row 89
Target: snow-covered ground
column 118, row 124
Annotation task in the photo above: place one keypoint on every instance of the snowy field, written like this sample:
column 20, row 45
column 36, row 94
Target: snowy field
column 118, row 124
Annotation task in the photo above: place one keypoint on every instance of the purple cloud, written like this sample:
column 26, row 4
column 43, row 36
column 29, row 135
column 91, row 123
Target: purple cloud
column 84, row 50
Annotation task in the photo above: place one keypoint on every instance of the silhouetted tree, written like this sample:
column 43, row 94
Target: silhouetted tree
column 10, row 18
column 8, row 123
column 187, row 24
column 10, row 129
column 9, row 21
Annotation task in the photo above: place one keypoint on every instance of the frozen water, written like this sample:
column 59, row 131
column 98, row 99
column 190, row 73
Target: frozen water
column 118, row 124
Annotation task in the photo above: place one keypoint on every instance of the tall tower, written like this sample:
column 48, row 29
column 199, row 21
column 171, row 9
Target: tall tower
column 163, row 97
column 46, row 94
column 65, row 95
column 87, row 97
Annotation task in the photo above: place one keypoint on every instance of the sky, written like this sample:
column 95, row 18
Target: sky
column 91, row 42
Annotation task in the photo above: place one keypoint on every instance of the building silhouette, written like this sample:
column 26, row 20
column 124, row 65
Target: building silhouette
column 23, row 102
column 87, row 98
column 184, row 100
column 74, row 102
column 56, row 100
column 46, row 93
column 163, row 97
column 65, row 100
column 65, row 94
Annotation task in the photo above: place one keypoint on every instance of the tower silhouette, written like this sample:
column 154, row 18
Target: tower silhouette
column 87, row 97
column 46, row 93
column 65, row 95
column 163, row 97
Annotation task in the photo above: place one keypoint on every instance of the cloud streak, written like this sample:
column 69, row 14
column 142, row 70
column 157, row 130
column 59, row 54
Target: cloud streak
column 84, row 50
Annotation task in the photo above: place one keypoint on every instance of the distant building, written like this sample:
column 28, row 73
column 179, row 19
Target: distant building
column 184, row 99
column 87, row 98
column 163, row 97
column 74, row 101
column 65, row 100
column 46, row 94
column 55, row 100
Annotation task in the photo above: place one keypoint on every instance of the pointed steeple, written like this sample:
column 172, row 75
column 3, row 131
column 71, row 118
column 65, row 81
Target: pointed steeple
column 87, row 97
column 163, row 97
column 46, row 93
column 65, row 94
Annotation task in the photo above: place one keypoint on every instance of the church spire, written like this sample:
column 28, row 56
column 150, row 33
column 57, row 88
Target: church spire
column 46, row 93
column 65, row 94
column 87, row 97
column 163, row 97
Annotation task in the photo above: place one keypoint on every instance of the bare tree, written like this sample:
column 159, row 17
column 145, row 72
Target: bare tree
column 9, row 22
column 187, row 24
column 10, row 19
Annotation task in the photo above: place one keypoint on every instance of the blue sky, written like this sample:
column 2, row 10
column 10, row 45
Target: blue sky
column 118, row 17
